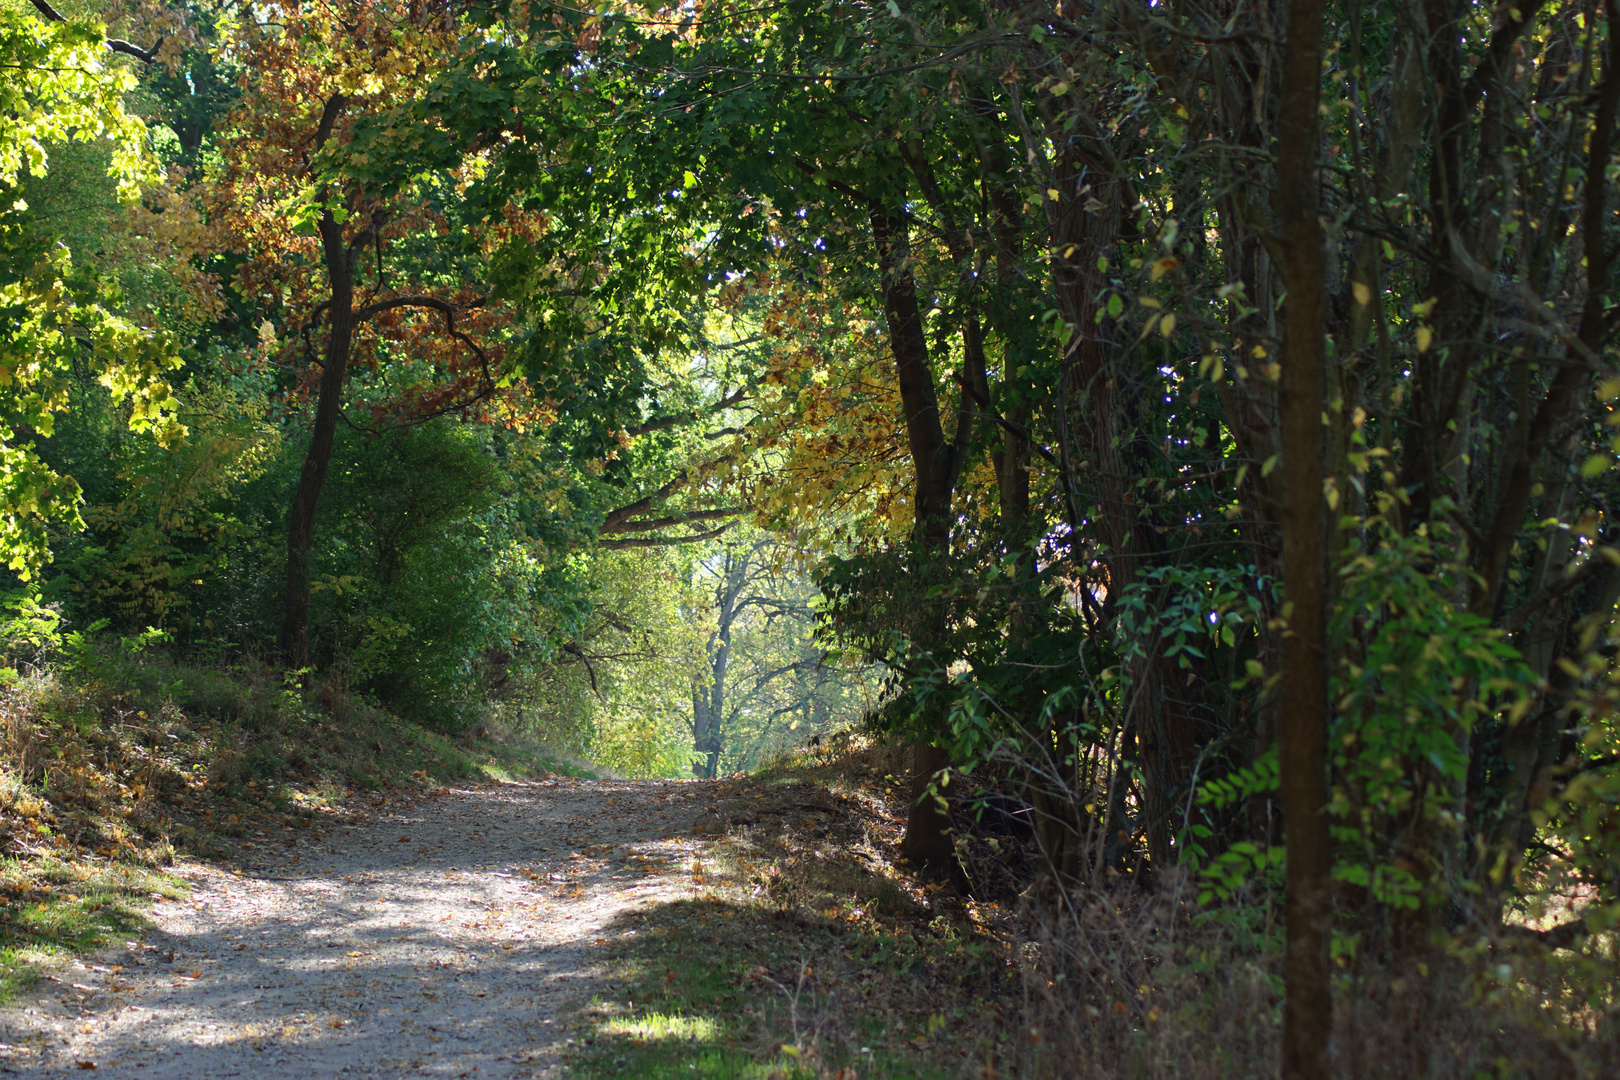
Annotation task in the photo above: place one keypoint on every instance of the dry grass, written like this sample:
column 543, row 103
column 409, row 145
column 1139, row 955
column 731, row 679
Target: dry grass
column 823, row 941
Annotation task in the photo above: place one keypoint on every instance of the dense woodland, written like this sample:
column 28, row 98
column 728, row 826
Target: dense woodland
column 1190, row 424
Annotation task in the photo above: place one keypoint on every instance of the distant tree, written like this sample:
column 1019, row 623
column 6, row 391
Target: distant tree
column 769, row 678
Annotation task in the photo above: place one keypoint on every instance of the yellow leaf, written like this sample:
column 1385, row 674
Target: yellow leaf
column 1054, row 194
column 1167, row 325
column 1363, row 294
column 1425, row 338
column 1162, row 266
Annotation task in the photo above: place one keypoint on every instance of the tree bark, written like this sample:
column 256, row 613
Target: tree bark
column 927, row 842
column 301, row 520
column 339, row 341
column 709, row 702
column 1303, row 714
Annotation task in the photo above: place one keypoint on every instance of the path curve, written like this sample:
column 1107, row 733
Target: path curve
column 448, row 934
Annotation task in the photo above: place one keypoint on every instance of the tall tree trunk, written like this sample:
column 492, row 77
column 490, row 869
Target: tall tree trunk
column 301, row 521
column 339, row 341
column 1303, row 714
column 927, row 842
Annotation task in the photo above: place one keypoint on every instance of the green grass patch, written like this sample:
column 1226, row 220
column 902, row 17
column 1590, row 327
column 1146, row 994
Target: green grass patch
column 53, row 908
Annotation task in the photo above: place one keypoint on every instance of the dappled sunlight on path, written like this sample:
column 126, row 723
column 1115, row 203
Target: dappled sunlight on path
column 441, row 935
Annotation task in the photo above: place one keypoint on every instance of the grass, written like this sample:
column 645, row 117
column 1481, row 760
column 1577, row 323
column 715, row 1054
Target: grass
column 51, row 908
column 109, row 773
column 802, row 948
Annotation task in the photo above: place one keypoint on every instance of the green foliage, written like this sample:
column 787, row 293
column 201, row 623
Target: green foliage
column 61, row 85
column 418, row 572
column 1417, row 674
column 1187, row 612
column 170, row 520
column 623, row 685
column 30, row 628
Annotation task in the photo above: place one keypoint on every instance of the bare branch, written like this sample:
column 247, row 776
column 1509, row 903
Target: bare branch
column 664, row 541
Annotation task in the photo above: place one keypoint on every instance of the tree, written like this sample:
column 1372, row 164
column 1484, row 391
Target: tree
column 768, row 679
column 1303, row 714
column 337, row 196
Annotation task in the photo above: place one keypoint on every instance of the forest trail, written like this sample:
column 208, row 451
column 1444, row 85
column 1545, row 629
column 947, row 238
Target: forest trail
column 445, row 934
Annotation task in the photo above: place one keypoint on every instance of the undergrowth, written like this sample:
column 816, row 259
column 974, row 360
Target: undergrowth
column 804, row 948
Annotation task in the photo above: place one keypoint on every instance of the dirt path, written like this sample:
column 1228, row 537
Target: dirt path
column 447, row 935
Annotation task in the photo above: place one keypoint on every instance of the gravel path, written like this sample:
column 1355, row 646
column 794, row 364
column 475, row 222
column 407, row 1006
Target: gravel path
column 444, row 935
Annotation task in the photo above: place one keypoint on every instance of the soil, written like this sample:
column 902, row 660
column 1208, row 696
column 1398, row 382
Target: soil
column 452, row 934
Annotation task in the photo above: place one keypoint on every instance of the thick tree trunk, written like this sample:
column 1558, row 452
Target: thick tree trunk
column 1303, row 714
column 705, row 735
column 301, row 520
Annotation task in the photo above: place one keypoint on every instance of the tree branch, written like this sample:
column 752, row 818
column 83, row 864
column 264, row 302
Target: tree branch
column 117, row 45
column 433, row 303
column 970, row 45
column 616, row 518
column 329, row 114
column 664, row 541
column 687, row 417
column 1012, row 428
column 677, row 519
column 1522, row 615
column 1563, row 936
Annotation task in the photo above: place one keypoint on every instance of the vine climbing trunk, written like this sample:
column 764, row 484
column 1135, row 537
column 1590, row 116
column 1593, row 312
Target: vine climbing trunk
column 1303, row 704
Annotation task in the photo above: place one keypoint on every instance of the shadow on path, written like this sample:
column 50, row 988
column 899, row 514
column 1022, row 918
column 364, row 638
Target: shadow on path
column 446, row 935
